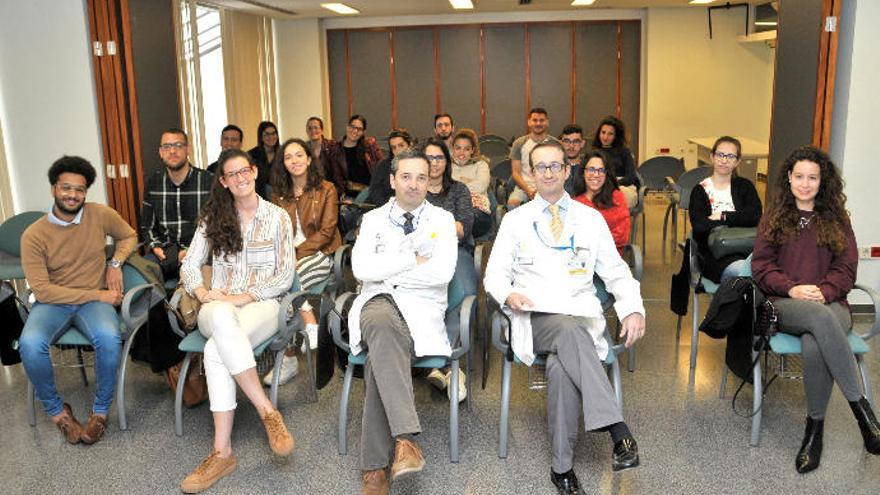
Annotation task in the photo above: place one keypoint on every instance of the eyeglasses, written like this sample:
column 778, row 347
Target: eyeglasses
column 726, row 157
column 594, row 171
column 68, row 188
column 572, row 141
column 179, row 145
column 435, row 158
column 244, row 173
column 355, row 128
column 270, row 133
column 554, row 167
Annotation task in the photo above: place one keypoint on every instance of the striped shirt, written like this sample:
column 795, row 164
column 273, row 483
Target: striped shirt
column 170, row 211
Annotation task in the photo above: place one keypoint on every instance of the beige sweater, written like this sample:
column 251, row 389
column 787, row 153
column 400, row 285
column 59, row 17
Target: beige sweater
column 66, row 265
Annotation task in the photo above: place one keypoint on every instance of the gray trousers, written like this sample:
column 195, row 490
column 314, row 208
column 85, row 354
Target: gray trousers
column 576, row 380
column 389, row 408
column 826, row 353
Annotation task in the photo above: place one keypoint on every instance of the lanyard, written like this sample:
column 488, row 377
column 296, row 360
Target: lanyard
column 551, row 246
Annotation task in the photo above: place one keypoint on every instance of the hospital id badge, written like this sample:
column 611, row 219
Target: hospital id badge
column 577, row 262
column 380, row 245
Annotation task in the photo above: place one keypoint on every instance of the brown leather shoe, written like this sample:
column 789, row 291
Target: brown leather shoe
column 69, row 426
column 208, row 472
column 375, row 482
column 408, row 458
column 94, row 429
column 280, row 440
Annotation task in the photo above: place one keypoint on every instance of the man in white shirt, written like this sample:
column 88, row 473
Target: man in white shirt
column 541, row 270
column 520, row 169
column 405, row 256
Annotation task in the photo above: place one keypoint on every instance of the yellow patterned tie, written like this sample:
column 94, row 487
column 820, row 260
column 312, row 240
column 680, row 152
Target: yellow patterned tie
column 555, row 222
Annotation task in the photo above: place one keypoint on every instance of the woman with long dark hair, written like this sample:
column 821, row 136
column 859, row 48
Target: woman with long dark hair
column 311, row 202
column 610, row 136
column 249, row 243
column 328, row 153
column 601, row 193
column 805, row 260
column 263, row 154
column 723, row 199
column 361, row 153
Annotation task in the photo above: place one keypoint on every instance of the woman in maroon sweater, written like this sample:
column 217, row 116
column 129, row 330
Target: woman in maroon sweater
column 805, row 259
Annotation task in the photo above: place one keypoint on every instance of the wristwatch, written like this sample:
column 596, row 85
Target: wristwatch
column 114, row 263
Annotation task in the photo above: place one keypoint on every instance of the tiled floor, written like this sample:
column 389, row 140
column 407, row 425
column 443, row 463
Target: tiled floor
column 690, row 441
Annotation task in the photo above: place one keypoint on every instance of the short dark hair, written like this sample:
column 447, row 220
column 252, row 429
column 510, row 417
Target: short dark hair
column 358, row 117
column 402, row 134
column 409, row 154
column 233, row 127
column 320, row 122
column 440, row 116
column 177, row 130
column 550, row 143
column 572, row 129
column 539, row 110
column 72, row 165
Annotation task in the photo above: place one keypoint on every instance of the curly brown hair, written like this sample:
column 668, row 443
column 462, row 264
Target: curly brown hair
column 831, row 215
column 280, row 178
column 218, row 215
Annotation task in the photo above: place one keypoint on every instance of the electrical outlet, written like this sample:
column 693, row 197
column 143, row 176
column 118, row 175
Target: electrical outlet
column 869, row 252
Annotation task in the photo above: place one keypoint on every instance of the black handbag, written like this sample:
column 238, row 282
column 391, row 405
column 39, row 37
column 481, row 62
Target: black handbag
column 725, row 241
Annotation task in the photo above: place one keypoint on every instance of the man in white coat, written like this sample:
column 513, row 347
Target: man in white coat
column 405, row 256
column 541, row 270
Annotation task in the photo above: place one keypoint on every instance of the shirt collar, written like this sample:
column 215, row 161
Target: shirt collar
column 563, row 202
column 57, row 221
column 397, row 212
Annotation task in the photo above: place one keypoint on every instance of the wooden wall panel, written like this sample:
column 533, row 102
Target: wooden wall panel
column 338, row 83
column 596, row 73
column 460, row 76
column 414, row 67
column 630, row 61
column 551, row 72
column 505, row 81
column 371, row 79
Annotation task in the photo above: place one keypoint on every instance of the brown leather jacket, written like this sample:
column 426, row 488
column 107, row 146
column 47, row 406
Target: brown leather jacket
column 318, row 212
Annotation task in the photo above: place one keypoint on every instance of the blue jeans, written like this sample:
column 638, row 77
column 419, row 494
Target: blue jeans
column 465, row 276
column 739, row 268
column 98, row 322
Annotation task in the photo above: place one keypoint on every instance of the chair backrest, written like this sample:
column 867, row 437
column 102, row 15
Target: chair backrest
column 496, row 151
column 12, row 229
column 362, row 196
column 501, row 170
column 654, row 171
column 687, row 181
column 491, row 137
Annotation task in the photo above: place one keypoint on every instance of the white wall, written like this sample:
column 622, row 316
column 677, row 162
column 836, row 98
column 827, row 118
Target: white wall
column 854, row 124
column 300, row 62
column 47, row 96
column 697, row 87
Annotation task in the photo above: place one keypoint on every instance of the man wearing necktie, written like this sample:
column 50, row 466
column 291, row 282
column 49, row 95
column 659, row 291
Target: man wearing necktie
column 405, row 256
column 541, row 270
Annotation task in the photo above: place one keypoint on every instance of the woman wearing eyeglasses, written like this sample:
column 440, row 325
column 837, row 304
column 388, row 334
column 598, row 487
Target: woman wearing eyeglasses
column 723, row 199
column 249, row 242
column 263, row 154
column 362, row 154
column 805, row 260
column 601, row 193
column 327, row 152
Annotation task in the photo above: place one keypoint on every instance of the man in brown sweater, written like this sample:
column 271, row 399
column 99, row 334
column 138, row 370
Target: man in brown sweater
column 63, row 258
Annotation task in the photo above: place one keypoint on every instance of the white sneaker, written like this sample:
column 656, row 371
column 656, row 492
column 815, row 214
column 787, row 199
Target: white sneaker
column 312, row 330
column 289, row 369
column 462, row 385
column 438, row 379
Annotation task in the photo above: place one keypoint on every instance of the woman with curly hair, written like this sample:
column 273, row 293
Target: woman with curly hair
column 805, row 260
column 610, row 137
column 249, row 243
column 601, row 193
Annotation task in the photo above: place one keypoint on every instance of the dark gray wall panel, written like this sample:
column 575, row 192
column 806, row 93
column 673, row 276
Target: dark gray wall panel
column 505, row 81
column 460, row 76
column 338, row 84
column 371, row 79
column 630, row 60
column 550, row 60
column 414, row 69
column 596, row 73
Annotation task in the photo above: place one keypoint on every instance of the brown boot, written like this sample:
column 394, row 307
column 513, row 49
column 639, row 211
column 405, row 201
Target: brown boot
column 69, row 426
column 408, row 458
column 375, row 482
column 208, row 472
column 280, row 440
column 94, row 429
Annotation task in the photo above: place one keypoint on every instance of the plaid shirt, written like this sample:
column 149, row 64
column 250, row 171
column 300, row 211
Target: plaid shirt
column 171, row 211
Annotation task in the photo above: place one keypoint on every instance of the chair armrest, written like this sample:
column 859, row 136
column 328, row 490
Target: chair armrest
column 638, row 264
column 136, row 316
column 500, row 323
column 615, row 348
column 875, row 299
column 465, row 317
column 172, row 320
column 288, row 327
column 334, row 319
column 340, row 256
column 24, row 304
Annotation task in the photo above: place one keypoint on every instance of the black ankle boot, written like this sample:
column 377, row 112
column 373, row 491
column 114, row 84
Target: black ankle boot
column 811, row 450
column 867, row 424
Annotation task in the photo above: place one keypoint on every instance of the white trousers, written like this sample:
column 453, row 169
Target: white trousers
column 232, row 333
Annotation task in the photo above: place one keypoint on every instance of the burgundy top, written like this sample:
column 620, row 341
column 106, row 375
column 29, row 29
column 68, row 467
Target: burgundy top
column 802, row 261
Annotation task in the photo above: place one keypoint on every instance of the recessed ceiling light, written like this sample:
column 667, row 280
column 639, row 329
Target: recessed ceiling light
column 582, row 3
column 462, row 4
column 766, row 23
column 340, row 8
column 700, row 2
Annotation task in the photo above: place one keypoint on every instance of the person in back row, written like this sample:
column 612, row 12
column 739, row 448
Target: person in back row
column 64, row 262
column 444, row 128
column 263, row 154
column 361, row 153
column 520, row 168
column 610, row 136
column 231, row 138
column 572, row 139
column 541, row 271
column 471, row 169
column 328, row 153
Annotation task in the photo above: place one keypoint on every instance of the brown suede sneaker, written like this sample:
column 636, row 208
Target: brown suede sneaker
column 69, row 426
column 408, row 458
column 280, row 440
column 208, row 472
column 375, row 482
column 94, row 429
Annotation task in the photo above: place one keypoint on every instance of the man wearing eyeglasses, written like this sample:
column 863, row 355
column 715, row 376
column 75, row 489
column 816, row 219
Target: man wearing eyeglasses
column 173, row 199
column 572, row 139
column 541, row 271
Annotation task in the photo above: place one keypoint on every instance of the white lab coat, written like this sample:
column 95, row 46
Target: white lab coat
column 384, row 260
column 557, row 276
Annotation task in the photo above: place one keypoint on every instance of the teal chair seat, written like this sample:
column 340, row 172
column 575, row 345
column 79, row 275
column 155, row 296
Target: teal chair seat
column 195, row 342
column 785, row 344
column 11, row 271
column 541, row 359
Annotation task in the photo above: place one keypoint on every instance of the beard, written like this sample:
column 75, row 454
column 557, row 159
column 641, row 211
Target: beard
column 60, row 205
column 175, row 168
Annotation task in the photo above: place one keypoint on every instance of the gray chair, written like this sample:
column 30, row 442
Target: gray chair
column 638, row 211
column 495, row 150
column 698, row 285
column 653, row 173
column 680, row 197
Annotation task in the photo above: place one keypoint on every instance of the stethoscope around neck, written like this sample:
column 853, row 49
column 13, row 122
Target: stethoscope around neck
column 570, row 245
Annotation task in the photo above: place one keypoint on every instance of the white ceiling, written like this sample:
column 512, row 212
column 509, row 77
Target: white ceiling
column 370, row 8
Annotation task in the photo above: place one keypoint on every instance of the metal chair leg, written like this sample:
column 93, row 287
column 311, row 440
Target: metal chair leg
column 615, row 380
column 695, row 335
column 678, row 330
column 505, row 409
column 453, row 413
column 120, row 382
column 178, row 395
column 866, row 382
column 32, row 408
column 276, row 372
column 723, row 387
column 756, row 402
column 341, row 435
column 82, row 366
column 631, row 359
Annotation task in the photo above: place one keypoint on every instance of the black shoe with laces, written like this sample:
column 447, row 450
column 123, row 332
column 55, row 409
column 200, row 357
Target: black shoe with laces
column 625, row 456
column 566, row 483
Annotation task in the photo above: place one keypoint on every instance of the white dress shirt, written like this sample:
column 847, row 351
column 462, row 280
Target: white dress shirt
column 557, row 276
column 384, row 260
